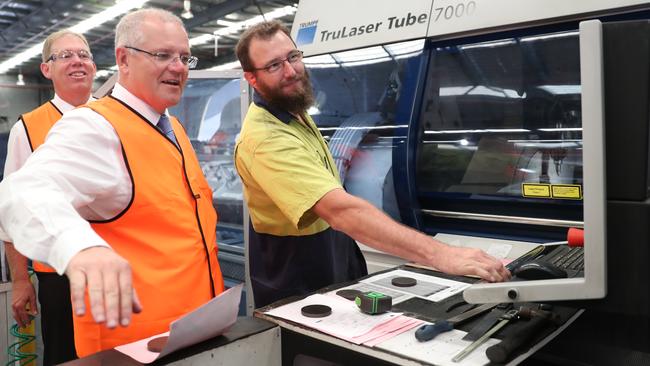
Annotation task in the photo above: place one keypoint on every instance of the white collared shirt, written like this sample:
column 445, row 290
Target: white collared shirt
column 78, row 174
column 18, row 148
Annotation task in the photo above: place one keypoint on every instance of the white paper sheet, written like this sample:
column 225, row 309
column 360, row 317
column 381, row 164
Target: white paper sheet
column 346, row 320
column 438, row 351
column 207, row 321
column 428, row 287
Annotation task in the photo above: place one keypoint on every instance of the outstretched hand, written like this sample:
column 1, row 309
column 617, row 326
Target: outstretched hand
column 471, row 261
column 108, row 279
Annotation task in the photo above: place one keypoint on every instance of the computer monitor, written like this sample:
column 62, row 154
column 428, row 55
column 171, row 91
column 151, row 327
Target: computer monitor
column 593, row 284
column 473, row 118
column 615, row 79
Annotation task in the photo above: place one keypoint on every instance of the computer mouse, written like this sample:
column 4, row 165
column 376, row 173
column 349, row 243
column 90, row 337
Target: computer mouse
column 539, row 270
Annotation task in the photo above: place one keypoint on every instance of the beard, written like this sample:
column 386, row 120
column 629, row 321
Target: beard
column 296, row 102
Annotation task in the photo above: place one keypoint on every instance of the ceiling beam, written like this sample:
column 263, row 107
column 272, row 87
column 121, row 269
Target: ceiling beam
column 213, row 12
column 216, row 11
column 34, row 20
column 219, row 11
column 5, row 3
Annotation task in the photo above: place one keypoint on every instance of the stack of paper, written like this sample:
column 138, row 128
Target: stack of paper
column 346, row 320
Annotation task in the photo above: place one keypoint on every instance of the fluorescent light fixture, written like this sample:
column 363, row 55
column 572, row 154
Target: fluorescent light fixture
column 226, row 23
column 238, row 26
column 322, row 59
column 550, row 36
column 106, row 72
column 452, row 145
column 187, row 10
column 361, row 128
column 403, row 48
column 560, row 129
column 480, row 90
column 561, row 89
column 20, row 58
column 227, row 66
column 488, row 130
column 568, row 142
column 362, row 55
column 366, row 62
column 82, row 27
column 106, row 15
column 320, row 62
column 463, row 142
column 494, row 91
column 506, row 130
column 491, row 44
column 548, row 145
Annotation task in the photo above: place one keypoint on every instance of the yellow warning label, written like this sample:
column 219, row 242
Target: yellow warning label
column 567, row 191
column 536, row 190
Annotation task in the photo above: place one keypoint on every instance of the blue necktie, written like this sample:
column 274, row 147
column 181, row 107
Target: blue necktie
column 165, row 127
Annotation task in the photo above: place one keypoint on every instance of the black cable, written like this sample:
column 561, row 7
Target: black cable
column 260, row 9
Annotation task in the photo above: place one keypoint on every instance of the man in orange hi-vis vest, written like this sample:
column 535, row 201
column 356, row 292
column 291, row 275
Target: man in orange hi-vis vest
column 115, row 197
column 68, row 62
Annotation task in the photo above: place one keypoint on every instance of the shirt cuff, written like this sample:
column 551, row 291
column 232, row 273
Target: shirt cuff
column 71, row 242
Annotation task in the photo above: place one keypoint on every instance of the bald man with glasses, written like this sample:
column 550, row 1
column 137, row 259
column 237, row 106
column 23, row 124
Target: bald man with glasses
column 116, row 199
column 67, row 61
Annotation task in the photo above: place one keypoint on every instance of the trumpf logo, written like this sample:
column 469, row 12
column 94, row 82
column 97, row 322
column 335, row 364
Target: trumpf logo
column 306, row 33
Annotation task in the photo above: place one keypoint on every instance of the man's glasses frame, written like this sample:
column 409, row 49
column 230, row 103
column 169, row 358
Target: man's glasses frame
column 67, row 55
column 166, row 57
column 292, row 58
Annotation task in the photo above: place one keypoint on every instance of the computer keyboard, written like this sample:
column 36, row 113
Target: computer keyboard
column 568, row 258
column 571, row 259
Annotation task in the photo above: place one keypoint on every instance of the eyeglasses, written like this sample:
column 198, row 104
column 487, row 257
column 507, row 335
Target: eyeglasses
column 67, row 55
column 275, row 66
column 165, row 57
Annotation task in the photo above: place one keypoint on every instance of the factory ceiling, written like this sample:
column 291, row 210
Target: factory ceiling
column 25, row 24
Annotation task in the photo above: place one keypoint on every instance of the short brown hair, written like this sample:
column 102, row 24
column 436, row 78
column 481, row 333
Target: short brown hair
column 264, row 31
column 47, row 45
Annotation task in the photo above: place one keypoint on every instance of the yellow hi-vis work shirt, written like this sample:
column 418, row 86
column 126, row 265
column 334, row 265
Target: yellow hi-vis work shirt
column 285, row 168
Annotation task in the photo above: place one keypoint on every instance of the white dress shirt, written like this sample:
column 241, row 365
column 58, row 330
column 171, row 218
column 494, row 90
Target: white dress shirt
column 18, row 149
column 78, row 174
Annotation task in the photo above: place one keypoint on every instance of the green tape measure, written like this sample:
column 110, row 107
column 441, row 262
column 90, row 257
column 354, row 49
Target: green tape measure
column 374, row 302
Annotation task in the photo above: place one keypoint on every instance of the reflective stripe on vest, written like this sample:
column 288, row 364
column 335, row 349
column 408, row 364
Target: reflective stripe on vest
column 167, row 233
column 37, row 124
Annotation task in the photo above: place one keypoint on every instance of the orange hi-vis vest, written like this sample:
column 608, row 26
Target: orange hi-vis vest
column 37, row 124
column 167, row 233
